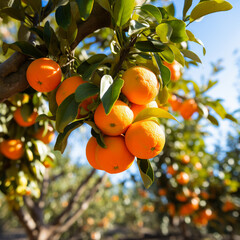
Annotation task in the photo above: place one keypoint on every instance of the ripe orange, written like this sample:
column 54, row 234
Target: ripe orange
column 204, row 195
column 117, row 121
column 67, row 87
column 47, row 137
column 12, row 149
column 181, row 197
column 188, row 108
column 185, row 159
column 171, row 209
column 228, row 206
column 175, row 69
column 145, row 139
column 138, row 108
column 44, row 75
column 171, row 170
column 199, row 220
column 206, row 213
column 115, row 158
column 185, row 210
column 91, row 151
column 182, row 178
column 194, row 203
column 21, row 122
column 198, row 165
column 143, row 193
column 141, row 85
column 115, row 198
column 162, row 192
column 175, row 102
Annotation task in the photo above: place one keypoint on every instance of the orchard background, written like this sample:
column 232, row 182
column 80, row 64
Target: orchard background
column 189, row 190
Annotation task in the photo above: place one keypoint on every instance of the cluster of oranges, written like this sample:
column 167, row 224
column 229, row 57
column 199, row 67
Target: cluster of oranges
column 186, row 108
column 123, row 137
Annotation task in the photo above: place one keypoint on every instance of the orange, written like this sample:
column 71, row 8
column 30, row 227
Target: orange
column 47, row 137
column 44, row 75
column 171, row 209
column 12, row 149
column 199, row 220
column 21, row 122
column 188, row 108
column 162, row 192
column 185, row 210
column 185, row 159
column 206, row 213
column 175, row 102
column 171, row 170
column 194, row 203
column 117, row 121
column 228, row 206
column 138, row 108
column 198, row 165
column 204, row 195
column 182, row 178
column 175, row 69
column 115, row 198
column 145, row 139
column 67, row 87
column 91, row 151
column 143, row 193
column 115, row 158
column 141, row 85
column 181, row 197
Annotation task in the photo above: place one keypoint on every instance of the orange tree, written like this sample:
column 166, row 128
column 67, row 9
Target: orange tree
column 58, row 40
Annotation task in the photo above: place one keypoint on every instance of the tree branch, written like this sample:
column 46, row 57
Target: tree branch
column 13, row 70
column 75, row 197
column 27, row 222
column 84, row 205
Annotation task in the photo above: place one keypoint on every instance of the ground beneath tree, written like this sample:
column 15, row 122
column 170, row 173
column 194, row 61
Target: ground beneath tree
column 120, row 233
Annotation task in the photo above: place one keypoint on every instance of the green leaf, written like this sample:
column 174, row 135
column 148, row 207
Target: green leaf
column 218, row 108
column 213, row 120
column 85, row 8
column 146, row 172
column 122, row 11
column 153, row 112
column 53, row 106
column 150, row 46
column 15, row 13
column 178, row 55
column 106, row 82
column 26, row 111
column 191, row 55
column 62, row 138
column 164, row 32
column 99, row 138
column 85, row 91
column 23, row 33
column 152, row 10
column 63, row 16
column 207, row 7
column 51, row 40
column 203, row 110
column 187, row 5
column 44, row 117
column 167, row 55
column 165, row 72
column 87, row 67
column 41, row 148
column 179, row 31
column 193, row 39
column 38, row 31
column 111, row 95
column 66, row 113
column 162, row 96
column 35, row 4
column 230, row 117
column 170, row 9
column 23, row 47
column 135, row 27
